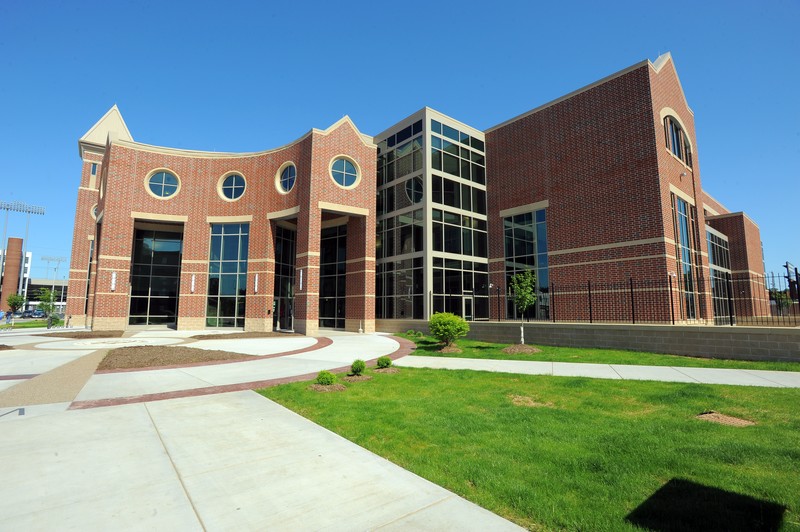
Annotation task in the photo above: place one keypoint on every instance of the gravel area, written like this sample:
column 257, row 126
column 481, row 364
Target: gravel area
column 4, row 347
column 85, row 335
column 139, row 357
column 521, row 349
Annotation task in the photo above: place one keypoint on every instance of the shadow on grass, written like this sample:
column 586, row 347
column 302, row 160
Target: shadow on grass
column 684, row 505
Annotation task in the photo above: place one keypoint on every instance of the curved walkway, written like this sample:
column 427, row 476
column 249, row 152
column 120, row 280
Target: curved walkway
column 46, row 374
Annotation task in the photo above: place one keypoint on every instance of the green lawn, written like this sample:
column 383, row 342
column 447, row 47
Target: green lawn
column 429, row 346
column 588, row 456
column 29, row 324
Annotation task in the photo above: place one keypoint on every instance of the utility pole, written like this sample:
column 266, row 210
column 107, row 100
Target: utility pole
column 58, row 261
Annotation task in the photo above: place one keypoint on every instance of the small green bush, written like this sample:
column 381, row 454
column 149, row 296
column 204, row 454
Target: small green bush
column 358, row 367
column 411, row 332
column 420, row 334
column 447, row 327
column 326, row 378
column 384, row 362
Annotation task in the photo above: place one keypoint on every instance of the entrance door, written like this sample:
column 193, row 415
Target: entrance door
column 282, row 314
column 468, row 315
column 155, row 277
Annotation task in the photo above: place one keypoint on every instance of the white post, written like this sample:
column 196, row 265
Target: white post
column 522, row 335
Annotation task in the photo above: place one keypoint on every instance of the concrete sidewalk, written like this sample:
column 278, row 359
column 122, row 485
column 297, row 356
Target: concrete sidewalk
column 738, row 377
column 233, row 461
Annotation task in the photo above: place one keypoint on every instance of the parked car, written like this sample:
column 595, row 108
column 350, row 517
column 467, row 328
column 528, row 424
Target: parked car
column 18, row 314
column 38, row 314
column 27, row 314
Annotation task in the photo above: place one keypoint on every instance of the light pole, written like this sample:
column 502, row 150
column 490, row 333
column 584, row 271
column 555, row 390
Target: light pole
column 58, row 261
column 18, row 206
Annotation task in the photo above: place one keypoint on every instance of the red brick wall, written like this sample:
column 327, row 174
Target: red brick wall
column 127, row 165
column 593, row 157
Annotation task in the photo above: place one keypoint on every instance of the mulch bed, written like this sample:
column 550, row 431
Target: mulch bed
column 85, row 335
column 356, row 378
column 325, row 388
column 4, row 347
column 716, row 417
column 240, row 335
column 386, row 370
column 450, row 349
column 140, row 357
column 521, row 349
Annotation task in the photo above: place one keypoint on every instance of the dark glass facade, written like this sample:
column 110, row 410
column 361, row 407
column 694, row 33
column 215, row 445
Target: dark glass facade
column 283, row 304
column 155, row 277
column 525, row 242
column 333, row 277
column 227, row 275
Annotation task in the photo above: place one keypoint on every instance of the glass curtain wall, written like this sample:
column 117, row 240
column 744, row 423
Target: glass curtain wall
column 719, row 262
column 155, row 277
column 684, row 219
column 283, row 305
column 525, row 240
column 333, row 277
column 227, row 275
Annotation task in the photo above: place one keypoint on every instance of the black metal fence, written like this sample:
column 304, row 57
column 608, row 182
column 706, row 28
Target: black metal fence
column 722, row 299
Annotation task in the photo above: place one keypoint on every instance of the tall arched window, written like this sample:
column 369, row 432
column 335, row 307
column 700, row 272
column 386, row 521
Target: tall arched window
column 677, row 141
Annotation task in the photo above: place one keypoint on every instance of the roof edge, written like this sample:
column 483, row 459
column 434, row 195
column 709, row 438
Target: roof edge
column 560, row 99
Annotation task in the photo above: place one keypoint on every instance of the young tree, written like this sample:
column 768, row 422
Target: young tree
column 523, row 286
column 46, row 300
column 15, row 302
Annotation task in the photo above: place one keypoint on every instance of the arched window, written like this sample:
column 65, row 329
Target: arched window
column 677, row 141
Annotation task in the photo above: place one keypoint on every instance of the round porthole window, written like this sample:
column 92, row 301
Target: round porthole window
column 233, row 187
column 287, row 178
column 344, row 172
column 163, row 184
column 414, row 189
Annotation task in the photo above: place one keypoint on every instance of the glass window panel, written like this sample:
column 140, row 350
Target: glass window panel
column 227, row 306
column 227, row 285
column 436, row 159
column 450, row 132
column 139, row 306
column 450, row 164
column 436, row 126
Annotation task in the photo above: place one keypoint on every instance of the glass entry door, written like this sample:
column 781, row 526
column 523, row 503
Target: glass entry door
column 155, row 277
column 468, row 312
column 282, row 314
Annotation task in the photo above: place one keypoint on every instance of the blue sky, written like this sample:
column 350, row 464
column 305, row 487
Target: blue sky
column 244, row 76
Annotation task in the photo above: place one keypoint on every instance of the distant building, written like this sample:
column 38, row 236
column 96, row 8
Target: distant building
column 14, row 272
column 338, row 228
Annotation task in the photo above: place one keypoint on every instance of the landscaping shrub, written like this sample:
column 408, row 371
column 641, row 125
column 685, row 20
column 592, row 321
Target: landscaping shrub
column 326, row 378
column 411, row 332
column 358, row 367
column 447, row 327
column 384, row 362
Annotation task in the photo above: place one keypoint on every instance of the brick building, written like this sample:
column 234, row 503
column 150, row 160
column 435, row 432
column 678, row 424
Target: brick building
column 282, row 238
column 600, row 186
column 613, row 173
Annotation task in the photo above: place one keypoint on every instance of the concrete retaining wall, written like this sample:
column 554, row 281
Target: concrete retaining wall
column 745, row 343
